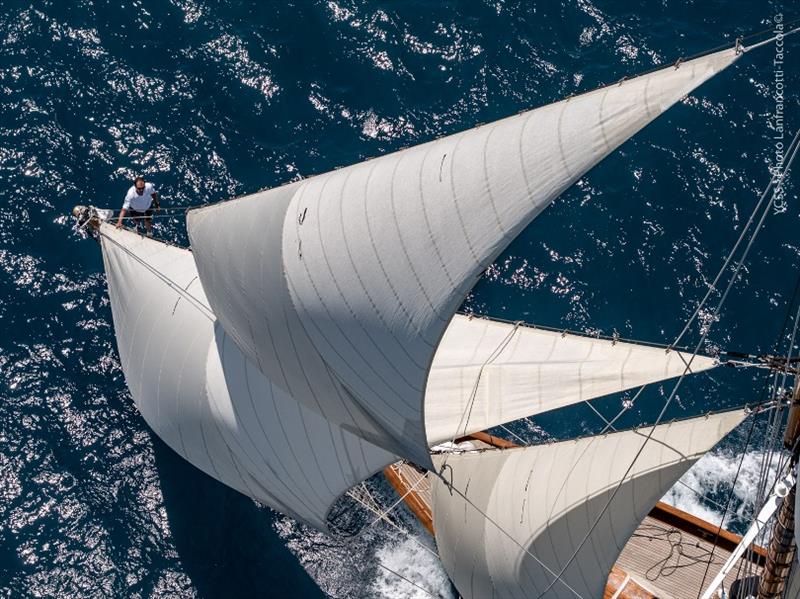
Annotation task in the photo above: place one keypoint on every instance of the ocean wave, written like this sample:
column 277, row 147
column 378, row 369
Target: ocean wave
column 212, row 100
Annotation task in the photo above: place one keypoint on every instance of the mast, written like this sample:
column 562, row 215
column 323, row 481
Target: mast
column 782, row 548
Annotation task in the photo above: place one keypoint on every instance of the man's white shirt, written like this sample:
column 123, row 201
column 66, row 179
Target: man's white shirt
column 137, row 202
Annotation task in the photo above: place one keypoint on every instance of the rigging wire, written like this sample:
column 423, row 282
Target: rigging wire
column 627, row 405
column 506, row 533
column 503, row 345
column 775, row 440
column 774, row 426
column 465, row 416
column 701, row 495
column 608, row 423
column 169, row 282
column 739, row 265
column 385, row 518
column 727, row 504
column 411, row 582
column 773, row 38
column 677, row 549
column 603, row 418
column 513, row 434
column 467, row 413
column 384, row 514
column 713, row 287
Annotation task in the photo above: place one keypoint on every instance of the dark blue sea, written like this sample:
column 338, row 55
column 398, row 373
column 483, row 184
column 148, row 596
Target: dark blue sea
column 210, row 100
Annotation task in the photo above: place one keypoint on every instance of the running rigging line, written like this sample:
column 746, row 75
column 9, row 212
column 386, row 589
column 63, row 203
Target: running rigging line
column 776, row 346
column 792, row 152
column 609, row 424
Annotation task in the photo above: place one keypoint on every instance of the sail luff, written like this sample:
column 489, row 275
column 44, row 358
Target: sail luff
column 365, row 266
column 507, row 520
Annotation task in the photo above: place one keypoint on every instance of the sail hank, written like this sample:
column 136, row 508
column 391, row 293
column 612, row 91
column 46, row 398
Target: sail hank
column 486, row 373
column 204, row 398
column 340, row 287
column 551, row 520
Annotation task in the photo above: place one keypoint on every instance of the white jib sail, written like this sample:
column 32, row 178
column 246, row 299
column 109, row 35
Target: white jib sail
column 203, row 397
column 365, row 266
column 487, row 373
column 508, row 521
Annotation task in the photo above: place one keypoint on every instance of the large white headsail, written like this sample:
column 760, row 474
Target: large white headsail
column 487, row 373
column 378, row 256
column 202, row 396
column 508, row 522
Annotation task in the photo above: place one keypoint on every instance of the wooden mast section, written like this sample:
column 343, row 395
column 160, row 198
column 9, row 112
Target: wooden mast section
column 782, row 548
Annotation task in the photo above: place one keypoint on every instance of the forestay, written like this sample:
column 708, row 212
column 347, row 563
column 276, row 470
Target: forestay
column 487, row 373
column 202, row 396
column 346, row 282
column 507, row 522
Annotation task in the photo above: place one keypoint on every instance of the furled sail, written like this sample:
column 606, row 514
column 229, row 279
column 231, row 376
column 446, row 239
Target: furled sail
column 203, row 397
column 487, row 373
column 346, row 282
column 509, row 521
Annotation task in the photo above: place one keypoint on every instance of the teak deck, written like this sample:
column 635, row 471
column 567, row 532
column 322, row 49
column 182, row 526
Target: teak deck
column 665, row 559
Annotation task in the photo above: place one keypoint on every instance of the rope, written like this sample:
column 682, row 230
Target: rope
column 775, row 426
column 772, row 39
column 384, row 517
column 727, row 506
column 384, row 514
column 776, row 346
column 166, row 208
column 700, row 494
column 182, row 292
column 603, row 418
column 774, row 182
column 510, row 537
column 411, row 582
column 677, row 385
column 583, row 334
column 768, row 30
column 513, row 434
column 467, row 413
column 151, row 217
column 625, row 407
column 677, row 544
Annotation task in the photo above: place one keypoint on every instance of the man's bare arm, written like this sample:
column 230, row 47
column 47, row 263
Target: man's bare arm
column 156, row 201
column 121, row 216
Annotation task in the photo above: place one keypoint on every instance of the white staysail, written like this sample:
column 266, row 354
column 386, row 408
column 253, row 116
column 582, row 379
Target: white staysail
column 487, row 373
column 202, row 396
column 363, row 268
column 508, row 522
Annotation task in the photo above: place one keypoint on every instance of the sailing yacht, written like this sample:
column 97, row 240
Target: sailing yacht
column 310, row 339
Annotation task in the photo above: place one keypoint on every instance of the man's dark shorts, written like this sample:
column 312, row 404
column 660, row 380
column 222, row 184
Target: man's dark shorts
column 136, row 214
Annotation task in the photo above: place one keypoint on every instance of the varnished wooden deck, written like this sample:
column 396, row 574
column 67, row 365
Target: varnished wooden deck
column 666, row 558
column 672, row 562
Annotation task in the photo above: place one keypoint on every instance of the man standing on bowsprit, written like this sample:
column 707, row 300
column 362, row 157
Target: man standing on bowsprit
column 137, row 204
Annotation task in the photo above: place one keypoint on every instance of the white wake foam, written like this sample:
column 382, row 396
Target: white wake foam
column 407, row 558
column 703, row 491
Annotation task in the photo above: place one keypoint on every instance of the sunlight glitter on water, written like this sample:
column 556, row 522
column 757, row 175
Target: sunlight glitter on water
column 212, row 100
